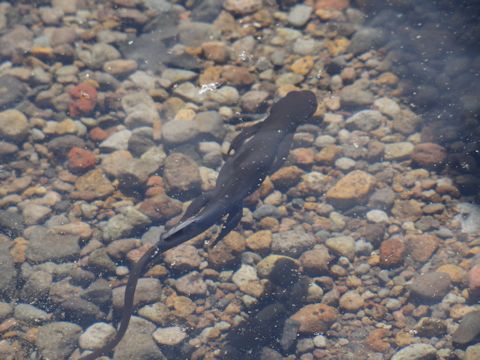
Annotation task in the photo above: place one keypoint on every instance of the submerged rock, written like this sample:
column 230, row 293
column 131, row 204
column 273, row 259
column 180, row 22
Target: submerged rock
column 432, row 286
column 14, row 125
column 315, row 318
column 7, row 268
column 47, row 245
column 351, row 190
column 469, row 328
column 57, row 340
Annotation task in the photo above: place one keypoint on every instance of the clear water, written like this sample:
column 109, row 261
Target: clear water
column 116, row 114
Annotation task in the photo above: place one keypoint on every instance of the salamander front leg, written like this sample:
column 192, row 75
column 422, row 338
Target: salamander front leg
column 196, row 205
column 233, row 218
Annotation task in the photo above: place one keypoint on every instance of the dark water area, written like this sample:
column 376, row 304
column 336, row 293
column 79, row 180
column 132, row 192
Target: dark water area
column 434, row 48
column 116, row 115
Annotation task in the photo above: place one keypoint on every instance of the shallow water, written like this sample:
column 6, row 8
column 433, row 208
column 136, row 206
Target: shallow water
column 116, row 114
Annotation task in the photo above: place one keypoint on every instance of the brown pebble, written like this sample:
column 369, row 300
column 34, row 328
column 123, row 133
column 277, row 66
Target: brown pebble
column 286, row 177
column 375, row 340
column 352, row 189
column 407, row 210
column 351, row 301
column 216, row 51
column 81, row 159
column 429, row 155
column 316, row 261
column 314, row 318
column 303, row 65
column 456, row 273
column 227, row 250
column 98, row 134
column 260, row 241
column 392, row 252
column 17, row 250
column 237, row 76
column 421, row 247
column 303, row 156
column 474, row 281
column 160, row 207
column 93, row 185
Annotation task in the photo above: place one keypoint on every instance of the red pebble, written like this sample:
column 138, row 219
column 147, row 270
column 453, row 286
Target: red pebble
column 474, row 283
column 392, row 252
column 98, row 134
column 80, row 159
column 84, row 98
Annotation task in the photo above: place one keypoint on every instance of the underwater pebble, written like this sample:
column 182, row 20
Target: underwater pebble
column 96, row 336
column 57, row 340
column 342, row 245
column 169, row 336
column 344, row 163
column 365, row 120
column 292, row 243
column 469, row 328
column 299, row 15
column 30, row 314
column 365, row 39
column 182, row 258
column 117, row 141
column 191, row 284
column 429, row 155
column 148, row 291
column 416, row 352
column 179, row 131
column 14, row 125
column 387, row 106
column 392, row 252
column 315, row 318
column 352, row 189
column 432, row 286
column 43, row 245
column 351, row 301
column 398, row 151
column 377, row 216
column 138, row 342
column 242, row 7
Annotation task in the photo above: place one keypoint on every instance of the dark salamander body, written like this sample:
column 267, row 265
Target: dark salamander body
column 259, row 151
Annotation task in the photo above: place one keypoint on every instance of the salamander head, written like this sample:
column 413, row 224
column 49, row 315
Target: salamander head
column 295, row 108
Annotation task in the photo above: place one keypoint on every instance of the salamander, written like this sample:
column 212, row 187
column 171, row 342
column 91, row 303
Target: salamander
column 254, row 153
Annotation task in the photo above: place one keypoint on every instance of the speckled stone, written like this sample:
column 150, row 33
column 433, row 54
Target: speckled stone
column 352, row 189
column 365, row 120
column 432, row 286
column 398, row 151
column 421, row 247
column 183, row 257
column 138, row 342
column 14, row 125
column 315, row 318
column 169, row 336
column 351, row 301
column 468, row 329
column 242, row 7
column 292, row 243
column 148, row 291
column 392, row 252
column 96, row 336
column 342, row 245
column 299, row 15
column 57, row 340
column 191, row 284
column 416, row 352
